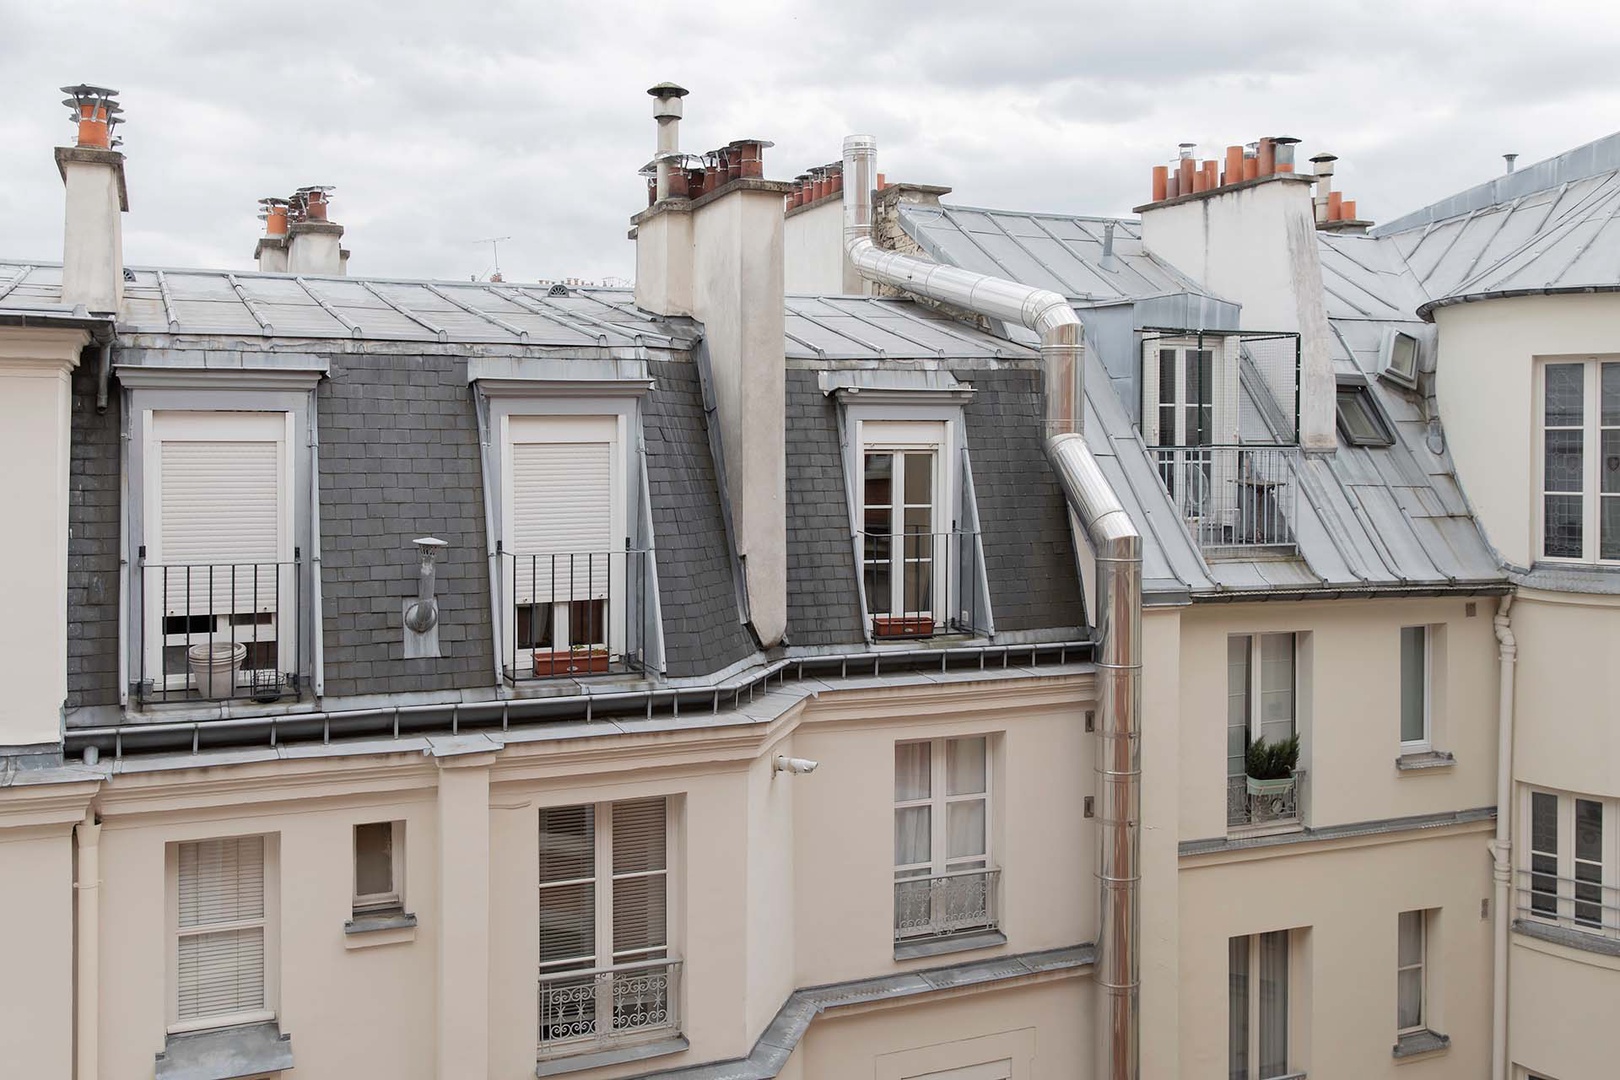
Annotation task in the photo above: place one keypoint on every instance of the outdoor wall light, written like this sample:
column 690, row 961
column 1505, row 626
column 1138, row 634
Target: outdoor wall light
column 422, row 614
column 794, row 765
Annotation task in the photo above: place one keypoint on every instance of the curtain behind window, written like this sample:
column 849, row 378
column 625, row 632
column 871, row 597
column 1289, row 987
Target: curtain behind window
column 1273, row 1004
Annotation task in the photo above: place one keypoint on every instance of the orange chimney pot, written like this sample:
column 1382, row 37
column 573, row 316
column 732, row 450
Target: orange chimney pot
column 1161, row 182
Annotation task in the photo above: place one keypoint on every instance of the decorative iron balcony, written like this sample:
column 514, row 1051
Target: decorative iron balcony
column 956, row 902
column 935, row 589
column 1582, row 903
column 587, row 1010
column 1259, row 803
column 575, row 614
column 1232, row 497
column 218, row 631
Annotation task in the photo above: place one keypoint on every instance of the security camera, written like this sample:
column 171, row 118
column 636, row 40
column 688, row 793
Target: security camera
column 794, row 765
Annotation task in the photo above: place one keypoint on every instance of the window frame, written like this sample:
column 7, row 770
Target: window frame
column 938, row 802
column 1224, row 407
column 1368, row 403
column 903, row 435
column 1253, row 1003
column 1591, row 491
column 1252, row 705
column 1386, row 357
column 1421, row 965
column 393, row 900
column 1426, row 742
column 1570, row 893
column 270, row 921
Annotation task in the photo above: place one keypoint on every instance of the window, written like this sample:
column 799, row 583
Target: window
column 1415, row 737
column 379, row 870
column 1401, row 359
column 1411, row 977
column 574, row 583
column 944, row 880
column 1257, row 1006
column 1261, row 703
column 1360, row 421
column 605, row 969
column 1580, row 461
column 218, row 577
column 222, row 924
column 908, row 541
column 1573, row 862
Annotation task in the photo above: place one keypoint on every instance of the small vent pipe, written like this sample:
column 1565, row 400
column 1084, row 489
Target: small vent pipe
column 1118, row 549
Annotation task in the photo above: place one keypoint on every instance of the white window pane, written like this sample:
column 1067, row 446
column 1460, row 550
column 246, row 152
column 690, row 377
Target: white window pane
column 964, row 766
column 374, row 858
column 964, row 829
column 1277, row 679
column 639, row 836
column 912, row 765
column 221, row 973
column 1409, row 1007
column 1410, row 939
column 221, row 881
column 567, row 843
column 912, row 829
column 1414, row 680
column 640, row 915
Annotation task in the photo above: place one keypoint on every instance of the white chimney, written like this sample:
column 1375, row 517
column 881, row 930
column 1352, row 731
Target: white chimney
column 93, row 173
column 312, row 241
column 271, row 250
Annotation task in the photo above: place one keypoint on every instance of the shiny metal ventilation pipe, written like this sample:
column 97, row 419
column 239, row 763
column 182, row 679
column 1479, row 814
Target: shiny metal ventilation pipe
column 1118, row 549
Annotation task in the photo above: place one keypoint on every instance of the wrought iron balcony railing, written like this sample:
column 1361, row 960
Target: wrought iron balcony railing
column 918, row 584
column 939, row 905
column 219, row 631
column 1583, row 903
column 572, row 614
column 1274, row 803
column 1232, row 496
column 585, row 1010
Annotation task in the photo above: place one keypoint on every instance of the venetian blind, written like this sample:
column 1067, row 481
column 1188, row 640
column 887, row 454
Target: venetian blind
column 567, row 887
column 219, row 526
column 640, row 880
column 221, row 927
column 562, row 520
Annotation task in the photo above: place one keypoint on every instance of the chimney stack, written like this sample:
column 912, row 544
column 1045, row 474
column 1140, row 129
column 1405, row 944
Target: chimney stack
column 313, row 242
column 93, row 174
column 271, row 250
column 1323, row 163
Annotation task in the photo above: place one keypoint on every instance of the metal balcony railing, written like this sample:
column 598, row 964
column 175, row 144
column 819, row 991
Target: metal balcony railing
column 939, row 905
column 584, row 1010
column 920, row 583
column 1268, row 807
column 218, row 631
column 572, row 614
column 1232, row 496
column 1582, row 904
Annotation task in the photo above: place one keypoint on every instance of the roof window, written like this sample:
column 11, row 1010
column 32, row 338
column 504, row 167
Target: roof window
column 1401, row 359
column 1360, row 421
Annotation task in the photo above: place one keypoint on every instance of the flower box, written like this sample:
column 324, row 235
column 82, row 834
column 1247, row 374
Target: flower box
column 894, row 626
column 549, row 664
column 1270, row 787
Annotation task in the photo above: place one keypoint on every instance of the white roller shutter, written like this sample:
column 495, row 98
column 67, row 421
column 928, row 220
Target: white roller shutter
column 562, row 520
column 219, row 525
column 221, row 927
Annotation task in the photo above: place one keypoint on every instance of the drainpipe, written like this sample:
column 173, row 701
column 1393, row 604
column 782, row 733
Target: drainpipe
column 88, row 974
column 1118, row 547
column 1502, row 847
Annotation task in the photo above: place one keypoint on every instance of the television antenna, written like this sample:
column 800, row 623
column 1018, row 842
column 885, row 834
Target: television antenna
column 494, row 243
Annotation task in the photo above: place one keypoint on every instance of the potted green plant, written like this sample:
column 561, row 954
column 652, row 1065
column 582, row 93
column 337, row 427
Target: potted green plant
column 1270, row 765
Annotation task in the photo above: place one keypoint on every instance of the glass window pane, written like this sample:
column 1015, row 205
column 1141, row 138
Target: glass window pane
column 639, row 837
column 640, row 914
column 918, row 585
column 1610, row 395
column 1237, row 703
column 1273, row 1004
column 1589, row 830
column 1167, row 378
column 878, row 585
column 1409, row 1009
column 1355, row 413
column 912, row 771
column 1609, row 462
column 567, row 842
column 1566, row 392
column 1562, row 526
column 1609, row 548
column 879, row 479
column 1277, row 685
column 373, row 858
column 964, row 829
column 1410, row 939
column 1414, row 680
column 1564, row 461
column 912, row 830
column 965, row 766
column 1403, row 356
column 1237, row 1009
column 919, row 479
column 568, row 924
column 1544, row 853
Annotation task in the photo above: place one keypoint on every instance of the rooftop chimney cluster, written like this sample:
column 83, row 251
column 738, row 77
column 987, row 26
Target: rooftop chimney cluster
column 816, row 184
column 694, row 175
column 1333, row 211
column 1189, row 176
column 96, row 113
column 305, row 204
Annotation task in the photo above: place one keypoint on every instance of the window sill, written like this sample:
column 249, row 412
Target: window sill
column 917, row 950
column 1585, row 940
column 1416, row 1044
column 379, row 928
column 1423, row 761
column 615, row 1055
column 225, row 1053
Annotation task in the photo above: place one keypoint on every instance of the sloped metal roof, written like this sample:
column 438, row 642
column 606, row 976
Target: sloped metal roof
column 873, row 328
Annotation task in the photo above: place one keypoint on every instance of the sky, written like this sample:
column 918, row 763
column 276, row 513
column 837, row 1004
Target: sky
column 441, row 125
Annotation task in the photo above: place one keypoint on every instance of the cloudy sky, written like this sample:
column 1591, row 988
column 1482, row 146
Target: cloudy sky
column 444, row 123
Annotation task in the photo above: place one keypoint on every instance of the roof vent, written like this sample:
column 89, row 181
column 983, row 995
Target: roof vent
column 558, row 290
column 96, row 113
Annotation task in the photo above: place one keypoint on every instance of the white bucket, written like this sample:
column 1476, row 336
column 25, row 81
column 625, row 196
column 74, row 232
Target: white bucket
column 213, row 668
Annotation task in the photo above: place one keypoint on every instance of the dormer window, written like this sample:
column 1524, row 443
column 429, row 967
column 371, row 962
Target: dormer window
column 902, row 544
column 1401, row 359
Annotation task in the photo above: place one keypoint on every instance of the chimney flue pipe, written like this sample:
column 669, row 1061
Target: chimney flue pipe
column 1118, row 548
column 667, row 112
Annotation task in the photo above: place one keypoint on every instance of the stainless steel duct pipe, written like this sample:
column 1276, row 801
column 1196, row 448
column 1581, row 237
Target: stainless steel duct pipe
column 1118, row 549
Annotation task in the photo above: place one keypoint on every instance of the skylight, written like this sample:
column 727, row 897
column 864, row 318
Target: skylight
column 1359, row 419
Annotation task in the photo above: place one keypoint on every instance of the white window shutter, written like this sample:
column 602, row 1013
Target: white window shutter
column 219, row 516
column 562, row 515
column 1150, row 391
column 221, row 927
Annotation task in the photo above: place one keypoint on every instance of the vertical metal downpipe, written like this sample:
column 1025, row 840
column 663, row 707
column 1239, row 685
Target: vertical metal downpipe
column 1118, row 548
